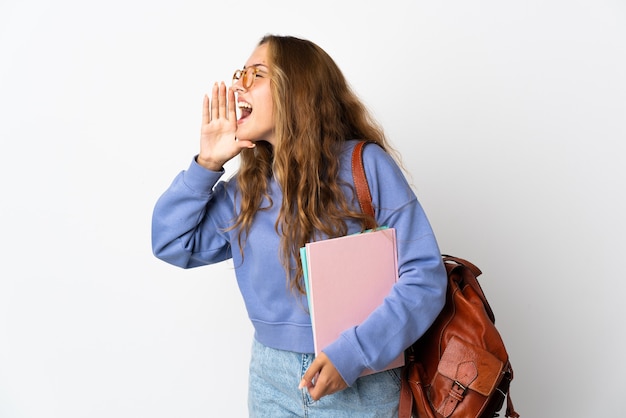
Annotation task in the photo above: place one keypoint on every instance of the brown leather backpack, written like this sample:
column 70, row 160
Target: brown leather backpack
column 460, row 366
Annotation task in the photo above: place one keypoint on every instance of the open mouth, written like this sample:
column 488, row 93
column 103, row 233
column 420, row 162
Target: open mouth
column 245, row 109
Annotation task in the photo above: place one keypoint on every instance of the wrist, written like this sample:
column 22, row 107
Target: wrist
column 209, row 164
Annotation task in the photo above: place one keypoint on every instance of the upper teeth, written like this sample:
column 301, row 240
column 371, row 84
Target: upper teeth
column 244, row 105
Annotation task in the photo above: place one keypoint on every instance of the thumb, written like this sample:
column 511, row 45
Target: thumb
column 245, row 144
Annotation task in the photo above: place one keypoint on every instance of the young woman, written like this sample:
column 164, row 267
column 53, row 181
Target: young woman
column 298, row 123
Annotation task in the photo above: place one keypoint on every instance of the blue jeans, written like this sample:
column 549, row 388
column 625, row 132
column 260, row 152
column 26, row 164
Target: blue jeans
column 273, row 390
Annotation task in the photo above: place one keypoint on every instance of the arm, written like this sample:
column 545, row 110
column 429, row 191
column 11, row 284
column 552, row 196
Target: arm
column 185, row 221
column 415, row 300
column 188, row 218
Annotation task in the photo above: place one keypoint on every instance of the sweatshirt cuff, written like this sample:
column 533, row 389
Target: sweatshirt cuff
column 345, row 359
column 200, row 179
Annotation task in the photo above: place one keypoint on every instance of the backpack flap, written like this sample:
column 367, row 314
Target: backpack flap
column 464, row 371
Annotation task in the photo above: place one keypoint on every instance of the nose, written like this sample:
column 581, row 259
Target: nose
column 238, row 85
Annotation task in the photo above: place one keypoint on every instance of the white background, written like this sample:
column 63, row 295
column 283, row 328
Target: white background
column 510, row 117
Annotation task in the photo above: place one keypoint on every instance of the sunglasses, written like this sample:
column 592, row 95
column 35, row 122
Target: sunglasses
column 247, row 76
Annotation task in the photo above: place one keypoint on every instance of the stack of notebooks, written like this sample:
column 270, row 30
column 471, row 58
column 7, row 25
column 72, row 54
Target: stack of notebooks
column 346, row 279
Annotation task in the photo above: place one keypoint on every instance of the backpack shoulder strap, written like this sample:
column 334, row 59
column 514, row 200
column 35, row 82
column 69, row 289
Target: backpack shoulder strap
column 360, row 180
column 365, row 201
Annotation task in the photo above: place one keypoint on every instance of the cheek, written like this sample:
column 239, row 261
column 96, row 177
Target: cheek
column 268, row 111
column 265, row 98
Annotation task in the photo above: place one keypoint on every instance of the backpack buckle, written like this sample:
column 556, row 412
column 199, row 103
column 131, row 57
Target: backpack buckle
column 457, row 392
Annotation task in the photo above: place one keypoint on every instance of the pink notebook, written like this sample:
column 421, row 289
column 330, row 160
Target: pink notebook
column 347, row 278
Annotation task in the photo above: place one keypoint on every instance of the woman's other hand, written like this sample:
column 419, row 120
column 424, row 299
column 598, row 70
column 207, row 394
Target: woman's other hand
column 322, row 378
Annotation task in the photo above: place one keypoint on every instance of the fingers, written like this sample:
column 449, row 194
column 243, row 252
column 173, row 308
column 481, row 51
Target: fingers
column 222, row 100
column 232, row 112
column 322, row 378
column 218, row 134
column 308, row 380
column 206, row 118
column 215, row 113
column 221, row 104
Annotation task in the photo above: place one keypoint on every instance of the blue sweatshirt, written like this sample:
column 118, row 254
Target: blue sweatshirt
column 190, row 228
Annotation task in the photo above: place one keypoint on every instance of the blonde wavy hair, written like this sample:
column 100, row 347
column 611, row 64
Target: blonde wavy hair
column 315, row 112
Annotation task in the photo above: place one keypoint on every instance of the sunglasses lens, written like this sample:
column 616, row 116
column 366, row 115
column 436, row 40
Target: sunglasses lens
column 248, row 77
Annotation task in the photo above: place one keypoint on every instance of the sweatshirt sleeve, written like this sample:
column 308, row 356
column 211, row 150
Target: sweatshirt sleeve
column 418, row 296
column 187, row 226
